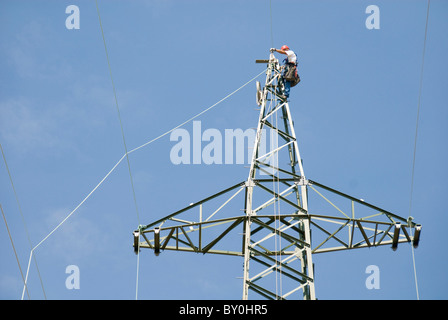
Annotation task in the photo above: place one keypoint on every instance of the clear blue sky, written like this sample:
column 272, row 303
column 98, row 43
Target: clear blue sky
column 355, row 115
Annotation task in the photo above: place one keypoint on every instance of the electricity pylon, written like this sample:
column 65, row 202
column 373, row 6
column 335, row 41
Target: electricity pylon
column 272, row 232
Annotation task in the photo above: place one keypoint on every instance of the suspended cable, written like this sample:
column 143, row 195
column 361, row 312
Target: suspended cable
column 418, row 107
column 23, row 219
column 121, row 126
column 14, row 249
column 272, row 33
column 133, row 150
column 199, row 114
column 415, row 139
column 118, row 112
column 27, row 271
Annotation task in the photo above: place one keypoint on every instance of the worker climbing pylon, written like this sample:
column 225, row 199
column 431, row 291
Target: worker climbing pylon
column 290, row 76
column 275, row 223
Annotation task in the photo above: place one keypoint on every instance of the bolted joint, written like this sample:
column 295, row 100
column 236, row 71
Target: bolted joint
column 250, row 183
column 301, row 182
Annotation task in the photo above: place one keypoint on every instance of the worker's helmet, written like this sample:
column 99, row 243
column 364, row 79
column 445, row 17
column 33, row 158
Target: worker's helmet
column 285, row 47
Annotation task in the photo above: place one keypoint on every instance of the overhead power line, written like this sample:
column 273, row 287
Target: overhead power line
column 415, row 138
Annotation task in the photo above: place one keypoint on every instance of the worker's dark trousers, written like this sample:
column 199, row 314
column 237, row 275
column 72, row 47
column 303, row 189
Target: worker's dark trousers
column 287, row 85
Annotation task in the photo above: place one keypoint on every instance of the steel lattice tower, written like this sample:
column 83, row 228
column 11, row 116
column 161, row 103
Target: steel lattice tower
column 274, row 225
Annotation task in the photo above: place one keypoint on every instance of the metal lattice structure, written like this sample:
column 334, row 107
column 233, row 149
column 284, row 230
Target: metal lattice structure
column 266, row 219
